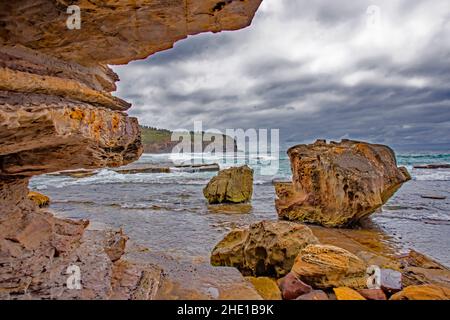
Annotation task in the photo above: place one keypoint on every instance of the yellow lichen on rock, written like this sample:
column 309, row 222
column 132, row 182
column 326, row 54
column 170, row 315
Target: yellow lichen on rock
column 326, row 266
column 77, row 115
column 233, row 185
column 266, row 287
column 41, row 200
column 344, row 293
column 423, row 292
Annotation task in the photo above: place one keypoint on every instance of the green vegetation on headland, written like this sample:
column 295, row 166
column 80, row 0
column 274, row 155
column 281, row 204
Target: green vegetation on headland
column 157, row 140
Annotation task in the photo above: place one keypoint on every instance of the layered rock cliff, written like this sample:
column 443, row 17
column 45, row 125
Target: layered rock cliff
column 57, row 112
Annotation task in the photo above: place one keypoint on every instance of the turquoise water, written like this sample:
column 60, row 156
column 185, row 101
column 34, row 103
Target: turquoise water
column 419, row 158
column 167, row 212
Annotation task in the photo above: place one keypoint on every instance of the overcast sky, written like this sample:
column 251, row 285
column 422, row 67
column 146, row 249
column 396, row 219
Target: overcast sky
column 377, row 71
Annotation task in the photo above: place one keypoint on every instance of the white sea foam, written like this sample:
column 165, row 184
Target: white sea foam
column 106, row 176
column 431, row 175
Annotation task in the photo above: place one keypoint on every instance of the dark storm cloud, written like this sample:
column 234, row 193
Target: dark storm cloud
column 313, row 70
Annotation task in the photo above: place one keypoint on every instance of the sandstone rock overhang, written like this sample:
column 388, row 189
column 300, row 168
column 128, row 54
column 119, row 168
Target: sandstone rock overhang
column 117, row 31
column 338, row 183
column 57, row 113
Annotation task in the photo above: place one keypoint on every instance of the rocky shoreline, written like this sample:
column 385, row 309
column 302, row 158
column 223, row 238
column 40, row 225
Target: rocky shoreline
column 317, row 263
column 57, row 114
column 338, row 184
column 334, row 185
column 289, row 259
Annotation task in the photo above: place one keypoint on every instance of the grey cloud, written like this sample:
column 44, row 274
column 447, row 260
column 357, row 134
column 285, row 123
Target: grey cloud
column 307, row 68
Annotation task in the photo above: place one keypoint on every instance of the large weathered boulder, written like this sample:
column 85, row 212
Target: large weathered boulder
column 325, row 266
column 267, row 248
column 233, row 185
column 423, row 292
column 338, row 184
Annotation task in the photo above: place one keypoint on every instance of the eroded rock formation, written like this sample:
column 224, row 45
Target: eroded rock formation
column 325, row 266
column 267, row 248
column 266, row 287
column 57, row 113
column 116, row 32
column 233, row 185
column 338, row 184
column 292, row 287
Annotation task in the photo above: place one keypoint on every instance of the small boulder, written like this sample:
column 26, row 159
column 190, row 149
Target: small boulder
column 326, row 266
column 372, row 294
column 344, row 293
column 267, row 248
column 391, row 281
column 39, row 199
column 423, row 292
column 266, row 287
column 233, row 185
column 292, row 287
column 314, row 295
